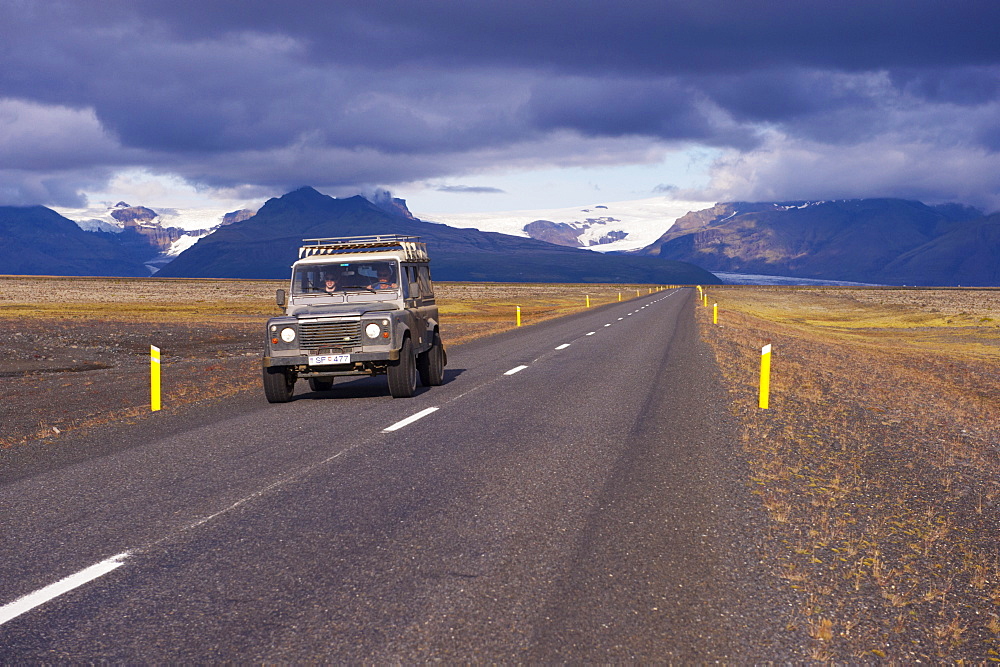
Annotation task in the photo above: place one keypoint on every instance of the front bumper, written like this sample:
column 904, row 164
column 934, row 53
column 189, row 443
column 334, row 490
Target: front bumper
column 356, row 357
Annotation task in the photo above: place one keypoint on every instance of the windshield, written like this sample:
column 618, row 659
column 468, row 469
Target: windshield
column 344, row 277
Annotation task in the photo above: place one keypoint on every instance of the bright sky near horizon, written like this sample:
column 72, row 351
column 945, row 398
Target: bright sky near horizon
column 462, row 106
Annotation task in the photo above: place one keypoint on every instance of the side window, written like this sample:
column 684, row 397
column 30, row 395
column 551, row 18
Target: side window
column 424, row 278
column 411, row 280
column 430, row 281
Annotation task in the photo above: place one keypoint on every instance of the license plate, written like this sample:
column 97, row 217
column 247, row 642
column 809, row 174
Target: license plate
column 326, row 359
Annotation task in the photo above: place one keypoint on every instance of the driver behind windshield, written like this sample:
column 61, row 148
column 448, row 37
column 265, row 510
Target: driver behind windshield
column 385, row 274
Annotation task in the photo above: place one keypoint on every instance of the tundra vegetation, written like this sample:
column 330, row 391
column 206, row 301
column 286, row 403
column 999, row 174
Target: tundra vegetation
column 878, row 461
column 76, row 350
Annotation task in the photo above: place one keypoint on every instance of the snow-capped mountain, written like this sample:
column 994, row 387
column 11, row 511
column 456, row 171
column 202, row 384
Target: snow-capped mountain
column 104, row 217
column 606, row 226
column 168, row 232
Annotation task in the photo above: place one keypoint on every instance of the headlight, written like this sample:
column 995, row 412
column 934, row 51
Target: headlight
column 373, row 330
column 288, row 334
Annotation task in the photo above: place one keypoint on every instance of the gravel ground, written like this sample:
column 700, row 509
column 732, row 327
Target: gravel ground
column 61, row 374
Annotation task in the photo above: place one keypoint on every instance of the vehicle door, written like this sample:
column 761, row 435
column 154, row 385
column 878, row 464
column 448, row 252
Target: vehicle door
column 421, row 296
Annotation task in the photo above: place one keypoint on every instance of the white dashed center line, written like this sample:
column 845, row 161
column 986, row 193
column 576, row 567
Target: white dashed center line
column 32, row 600
column 409, row 420
column 43, row 595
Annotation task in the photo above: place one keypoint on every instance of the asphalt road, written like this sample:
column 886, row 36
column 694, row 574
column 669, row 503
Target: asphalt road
column 589, row 506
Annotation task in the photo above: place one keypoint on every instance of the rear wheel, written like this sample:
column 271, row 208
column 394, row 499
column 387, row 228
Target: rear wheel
column 279, row 384
column 319, row 384
column 402, row 373
column 430, row 364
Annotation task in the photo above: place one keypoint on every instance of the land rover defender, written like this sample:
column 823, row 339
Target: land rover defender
column 360, row 305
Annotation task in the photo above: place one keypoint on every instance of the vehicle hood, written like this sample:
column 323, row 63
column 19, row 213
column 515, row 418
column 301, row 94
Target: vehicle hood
column 341, row 309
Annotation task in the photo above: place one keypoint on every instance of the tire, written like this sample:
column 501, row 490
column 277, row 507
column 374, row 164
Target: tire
column 317, row 384
column 402, row 373
column 278, row 385
column 430, row 364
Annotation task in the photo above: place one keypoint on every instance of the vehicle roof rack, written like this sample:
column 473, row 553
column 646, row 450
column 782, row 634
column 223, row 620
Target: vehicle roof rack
column 416, row 251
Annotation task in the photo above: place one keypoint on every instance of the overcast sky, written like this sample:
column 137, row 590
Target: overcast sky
column 466, row 105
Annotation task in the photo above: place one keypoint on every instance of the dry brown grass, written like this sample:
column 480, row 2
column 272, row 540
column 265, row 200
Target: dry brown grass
column 77, row 350
column 878, row 461
column 473, row 310
column 487, row 306
column 135, row 299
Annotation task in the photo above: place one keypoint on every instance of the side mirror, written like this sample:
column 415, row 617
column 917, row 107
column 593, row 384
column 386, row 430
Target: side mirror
column 279, row 297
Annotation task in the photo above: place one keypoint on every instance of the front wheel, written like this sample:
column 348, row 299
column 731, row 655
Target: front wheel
column 402, row 373
column 279, row 384
column 430, row 364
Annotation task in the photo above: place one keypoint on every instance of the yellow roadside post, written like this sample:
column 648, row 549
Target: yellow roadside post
column 518, row 315
column 154, row 378
column 715, row 313
column 637, row 292
column 588, row 301
column 619, row 296
column 705, row 299
column 765, row 376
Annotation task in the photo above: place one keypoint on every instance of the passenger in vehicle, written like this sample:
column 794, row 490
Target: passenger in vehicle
column 330, row 282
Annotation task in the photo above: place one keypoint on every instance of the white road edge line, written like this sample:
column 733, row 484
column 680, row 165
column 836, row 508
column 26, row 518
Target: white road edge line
column 516, row 369
column 41, row 596
column 409, row 420
column 563, row 346
column 591, row 333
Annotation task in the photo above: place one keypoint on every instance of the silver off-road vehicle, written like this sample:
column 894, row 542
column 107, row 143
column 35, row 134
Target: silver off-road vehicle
column 361, row 305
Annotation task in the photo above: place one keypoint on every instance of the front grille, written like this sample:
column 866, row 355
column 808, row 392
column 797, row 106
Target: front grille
column 318, row 335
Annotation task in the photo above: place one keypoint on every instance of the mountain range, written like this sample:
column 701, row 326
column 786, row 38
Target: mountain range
column 35, row 240
column 886, row 241
column 265, row 245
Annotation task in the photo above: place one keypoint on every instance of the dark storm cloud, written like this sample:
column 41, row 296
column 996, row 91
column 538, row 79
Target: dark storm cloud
column 663, row 108
column 589, row 35
column 271, row 95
